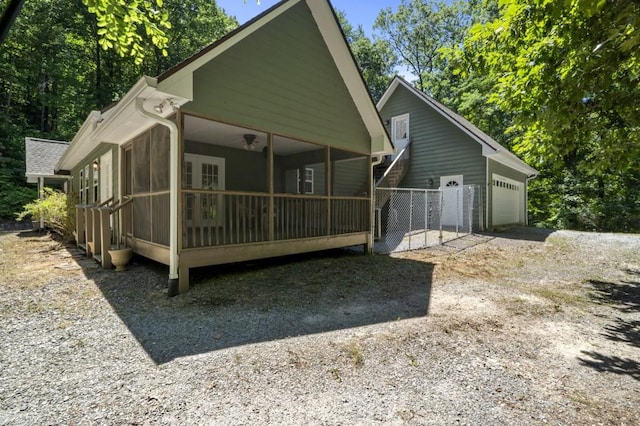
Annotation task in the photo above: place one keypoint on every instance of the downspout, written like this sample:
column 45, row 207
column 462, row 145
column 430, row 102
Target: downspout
column 41, row 197
column 173, row 194
column 372, row 213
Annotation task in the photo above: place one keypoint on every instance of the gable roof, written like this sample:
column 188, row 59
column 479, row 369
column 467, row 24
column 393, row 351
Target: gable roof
column 179, row 79
column 41, row 156
column 490, row 148
column 175, row 86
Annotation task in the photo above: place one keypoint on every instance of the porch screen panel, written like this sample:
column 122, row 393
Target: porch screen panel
column 142, row 218
column 160, row 159
column 127, row 171
column 350, row 190
column 160, row 219
column 350, row 174
column 300, row 167
column 141, row 164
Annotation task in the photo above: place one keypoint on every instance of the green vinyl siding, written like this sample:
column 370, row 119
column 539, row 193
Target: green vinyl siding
column 282, row 79
column 508, row 172
column 350, row 178
column 88, row 160
column 244, row 171
column 439, row 147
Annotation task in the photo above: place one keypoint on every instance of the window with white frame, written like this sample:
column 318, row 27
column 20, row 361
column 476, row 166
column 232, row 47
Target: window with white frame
column 308, row 181
column 86, row 184
column 96, row 187
column 81, row 187
column 295, row 185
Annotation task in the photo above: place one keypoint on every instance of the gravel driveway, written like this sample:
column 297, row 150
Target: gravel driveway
column 522, row 327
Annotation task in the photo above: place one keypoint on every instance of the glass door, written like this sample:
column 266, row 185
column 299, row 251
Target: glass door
column 204, row 172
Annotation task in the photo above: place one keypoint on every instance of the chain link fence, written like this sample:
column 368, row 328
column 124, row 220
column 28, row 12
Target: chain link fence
column 411, row 219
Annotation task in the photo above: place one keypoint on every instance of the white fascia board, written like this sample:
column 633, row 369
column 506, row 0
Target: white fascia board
column 181, row 82
column 33, row 177
column 125, row 121
column 143, row 86
column 498, row 154
column 485, row 147
column 73, row 153
column 342, row 57
column 387, row 93
column 119, row 124
column 510, row 160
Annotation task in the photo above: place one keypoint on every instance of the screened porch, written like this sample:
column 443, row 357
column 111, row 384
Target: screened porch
column 241, row 186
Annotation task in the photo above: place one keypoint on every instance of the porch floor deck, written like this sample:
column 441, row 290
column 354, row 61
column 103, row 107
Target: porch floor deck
column 196, row 238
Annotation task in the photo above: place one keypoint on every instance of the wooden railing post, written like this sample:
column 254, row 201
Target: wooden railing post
column 80, row 231
column 88, row 229
column 95, row 221
column 105, row 235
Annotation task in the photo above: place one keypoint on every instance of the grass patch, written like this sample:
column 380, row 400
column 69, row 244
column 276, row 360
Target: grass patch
column 336, row 374
column 559, row 298
column 355, row 353
column 559, row 243
column 413, row 362
column 526, row 307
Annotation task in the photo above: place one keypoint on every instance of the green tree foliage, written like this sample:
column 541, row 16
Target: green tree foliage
column 375, row 58
column 55, row 70
column 121, row 23
column 425, row 37
column 569, row 71
column 418, row 31
column 567, row 74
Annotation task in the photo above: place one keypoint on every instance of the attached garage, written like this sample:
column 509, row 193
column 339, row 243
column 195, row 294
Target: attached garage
column 508, row 201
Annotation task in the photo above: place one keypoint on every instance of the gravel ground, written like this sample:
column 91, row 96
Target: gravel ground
column 522, row 327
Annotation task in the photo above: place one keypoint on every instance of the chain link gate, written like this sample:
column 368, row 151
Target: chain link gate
column 411, row 219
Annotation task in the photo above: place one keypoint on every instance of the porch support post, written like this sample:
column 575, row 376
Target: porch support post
column 368, row 248
column 95, row 220
column 329, row 191
column 80, row 234
column 41, row 196
column 88, row 229
column 271, row 207
column 105, row 236
column 175, row 286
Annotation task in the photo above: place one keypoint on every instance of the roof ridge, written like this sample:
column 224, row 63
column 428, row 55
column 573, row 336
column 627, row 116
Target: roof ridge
column 35, row 139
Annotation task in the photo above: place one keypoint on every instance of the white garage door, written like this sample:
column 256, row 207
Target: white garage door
column 508, row 201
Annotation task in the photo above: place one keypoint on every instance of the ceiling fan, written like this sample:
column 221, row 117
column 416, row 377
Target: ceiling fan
column 250, row 141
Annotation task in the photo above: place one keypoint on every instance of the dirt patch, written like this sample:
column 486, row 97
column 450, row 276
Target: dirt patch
column 520, row 327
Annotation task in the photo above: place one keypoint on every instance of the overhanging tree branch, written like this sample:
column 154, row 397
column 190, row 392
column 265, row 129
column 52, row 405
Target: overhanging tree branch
column 9, row 15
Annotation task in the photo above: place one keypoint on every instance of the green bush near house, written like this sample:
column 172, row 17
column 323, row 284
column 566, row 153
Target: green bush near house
column 57, row 210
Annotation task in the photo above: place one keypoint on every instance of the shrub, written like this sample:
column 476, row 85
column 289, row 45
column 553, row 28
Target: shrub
column 57, row 210
column 12, row 198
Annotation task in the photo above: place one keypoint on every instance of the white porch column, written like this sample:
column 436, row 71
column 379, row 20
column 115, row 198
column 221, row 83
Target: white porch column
column 41, row 196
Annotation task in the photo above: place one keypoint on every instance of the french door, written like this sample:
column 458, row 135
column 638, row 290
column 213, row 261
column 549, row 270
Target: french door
column 204, row 172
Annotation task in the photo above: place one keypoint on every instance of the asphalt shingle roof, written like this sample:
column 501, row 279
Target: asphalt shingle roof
column 42, row 155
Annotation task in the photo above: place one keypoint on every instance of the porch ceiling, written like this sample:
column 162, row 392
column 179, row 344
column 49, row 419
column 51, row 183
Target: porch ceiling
column 206, row 131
